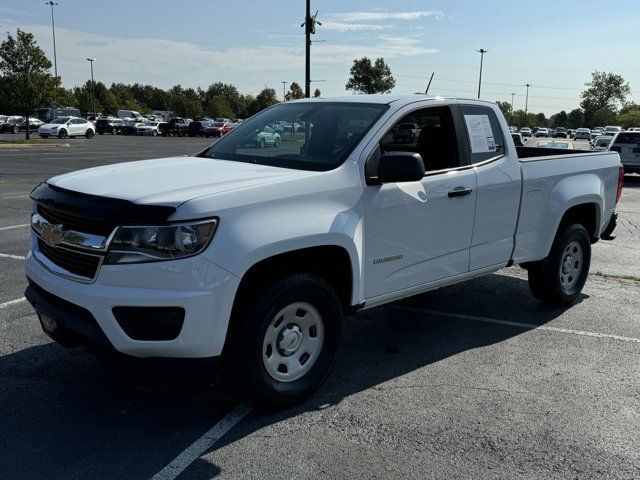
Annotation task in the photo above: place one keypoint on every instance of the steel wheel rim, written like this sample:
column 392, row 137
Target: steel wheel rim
column 571, row 265
column 293, row 342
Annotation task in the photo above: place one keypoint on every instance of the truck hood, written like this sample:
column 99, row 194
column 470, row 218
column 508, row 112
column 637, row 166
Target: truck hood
column 171, row 181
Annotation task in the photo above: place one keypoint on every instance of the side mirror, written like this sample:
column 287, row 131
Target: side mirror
column 400, row 167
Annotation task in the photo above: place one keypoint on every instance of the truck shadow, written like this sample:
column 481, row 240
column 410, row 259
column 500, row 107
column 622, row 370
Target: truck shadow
column 67, row 404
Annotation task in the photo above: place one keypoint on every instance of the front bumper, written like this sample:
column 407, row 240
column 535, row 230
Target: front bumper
column 203, row 289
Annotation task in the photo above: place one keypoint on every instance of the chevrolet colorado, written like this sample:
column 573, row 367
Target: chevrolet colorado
column 254, row 255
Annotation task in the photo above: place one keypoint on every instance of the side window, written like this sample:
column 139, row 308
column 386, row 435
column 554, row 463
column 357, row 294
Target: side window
column 483, row 131
column 429, row 132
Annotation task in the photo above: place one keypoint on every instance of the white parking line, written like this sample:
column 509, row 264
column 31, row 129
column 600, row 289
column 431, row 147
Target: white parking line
column 14, row 196
column 7, row 255
column 14, row 226
column 12, row 302
column 529, row 326
column 201, row 445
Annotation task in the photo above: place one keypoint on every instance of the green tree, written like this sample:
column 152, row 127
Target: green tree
column 605, row 90
column 316, row 93
column 505, row 107
column 24, row 67
column 603, row 117
column 575, row 118
column 560, row 119
column 264, row 99
column 295, row 92
column 630, row 118
column 219, row 107
column 541, row 120
column 370, row 78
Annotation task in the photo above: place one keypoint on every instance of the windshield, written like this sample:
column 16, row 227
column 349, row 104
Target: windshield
column 315, row 136
column 60, row 120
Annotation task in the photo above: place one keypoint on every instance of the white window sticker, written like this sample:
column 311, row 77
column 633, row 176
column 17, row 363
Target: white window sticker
column 480, row 133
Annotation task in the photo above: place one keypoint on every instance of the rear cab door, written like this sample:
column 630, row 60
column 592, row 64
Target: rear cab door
column 499, row 184
column 417, row 233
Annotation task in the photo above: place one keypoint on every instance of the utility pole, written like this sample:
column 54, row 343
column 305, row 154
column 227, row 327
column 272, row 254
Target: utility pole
column 93, row 97
column 53, row 27
column 526, row 104
column 284, row 91
column 309, row 29
column 482, row 51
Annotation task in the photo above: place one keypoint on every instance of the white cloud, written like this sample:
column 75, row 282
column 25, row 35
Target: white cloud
column 165, row 63
column 376, row 16
column 352, row 27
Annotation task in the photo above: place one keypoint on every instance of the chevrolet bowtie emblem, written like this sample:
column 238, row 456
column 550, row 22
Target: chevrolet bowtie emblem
column 52, row 234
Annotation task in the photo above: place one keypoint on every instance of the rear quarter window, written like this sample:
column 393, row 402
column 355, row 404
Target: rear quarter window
column 628, row 137
column 481, row 121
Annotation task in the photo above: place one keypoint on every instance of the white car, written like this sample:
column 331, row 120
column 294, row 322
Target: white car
column 525, row 131
column 149, row 128
column 63, row 127
column 582, row 134
column 541, row 132
column 254, row 255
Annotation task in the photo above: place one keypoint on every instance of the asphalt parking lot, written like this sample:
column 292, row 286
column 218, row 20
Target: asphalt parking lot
column 471, row 381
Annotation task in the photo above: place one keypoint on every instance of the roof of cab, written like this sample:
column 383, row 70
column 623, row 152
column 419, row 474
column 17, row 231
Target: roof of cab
column 385, row 99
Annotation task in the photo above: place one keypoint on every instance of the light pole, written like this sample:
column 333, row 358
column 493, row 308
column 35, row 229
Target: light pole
column 53, row 28
column 526, row 104
column 284, row 91
column 511, row 116
column 482, row 51
column 93, row 97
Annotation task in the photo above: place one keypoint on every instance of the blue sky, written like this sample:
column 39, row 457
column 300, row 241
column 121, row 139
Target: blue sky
column 552, row 45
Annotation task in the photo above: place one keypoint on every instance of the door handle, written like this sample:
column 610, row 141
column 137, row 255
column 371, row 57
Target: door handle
column 460, row 192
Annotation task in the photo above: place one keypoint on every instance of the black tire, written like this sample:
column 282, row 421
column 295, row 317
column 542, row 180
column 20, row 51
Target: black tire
column 550, row 280
column 113, row 131
column 276, row 143
column 262, row 143
column 154, row 133
column 14, row 130
column 242, row 365
column 63, row 133
column 89, row 133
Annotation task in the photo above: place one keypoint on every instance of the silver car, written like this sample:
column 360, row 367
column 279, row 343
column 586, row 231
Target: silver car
column 582, row 134
column 627, row 144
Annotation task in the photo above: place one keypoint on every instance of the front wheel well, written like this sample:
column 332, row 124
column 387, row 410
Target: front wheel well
column 331, row 263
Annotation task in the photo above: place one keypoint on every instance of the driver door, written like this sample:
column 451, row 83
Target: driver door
column 420, row 232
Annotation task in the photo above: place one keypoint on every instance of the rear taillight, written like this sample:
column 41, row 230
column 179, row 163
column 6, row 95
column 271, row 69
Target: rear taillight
column 620, row 183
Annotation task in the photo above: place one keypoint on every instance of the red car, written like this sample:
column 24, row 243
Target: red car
column 215, row 130
column 228, row 127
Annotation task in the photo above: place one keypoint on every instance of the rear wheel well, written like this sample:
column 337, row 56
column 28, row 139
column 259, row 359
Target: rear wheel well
column 585, row 214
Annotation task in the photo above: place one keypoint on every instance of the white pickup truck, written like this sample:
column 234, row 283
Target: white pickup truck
column 252, row 252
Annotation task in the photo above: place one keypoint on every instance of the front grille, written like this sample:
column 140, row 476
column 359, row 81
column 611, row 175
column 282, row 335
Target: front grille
column 72, row 261
column 75, row 222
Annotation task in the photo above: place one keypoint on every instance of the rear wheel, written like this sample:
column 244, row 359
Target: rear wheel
column 276, row 143
column 559, row 279
column 262, row 143
column 287, row 342
column 89, row 133
column 154, row 133
column 15, row 129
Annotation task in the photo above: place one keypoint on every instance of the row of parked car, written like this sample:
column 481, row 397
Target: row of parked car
column 179, row 127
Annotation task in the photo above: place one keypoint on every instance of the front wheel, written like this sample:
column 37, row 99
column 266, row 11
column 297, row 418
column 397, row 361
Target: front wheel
column 63, row 134
column 286, row 343
column 559, row 279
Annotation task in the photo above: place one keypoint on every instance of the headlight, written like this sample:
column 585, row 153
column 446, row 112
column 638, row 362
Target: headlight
column 166, row 242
